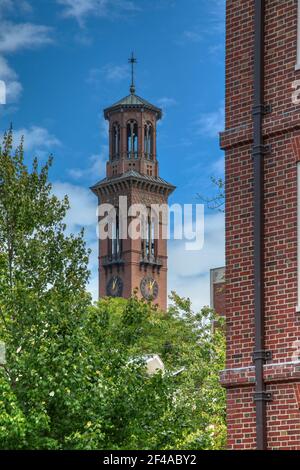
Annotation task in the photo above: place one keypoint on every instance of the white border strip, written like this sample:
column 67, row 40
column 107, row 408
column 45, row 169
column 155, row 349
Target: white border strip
column 266, row 366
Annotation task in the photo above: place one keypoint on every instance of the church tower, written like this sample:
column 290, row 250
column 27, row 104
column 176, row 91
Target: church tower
column 129, row 263
column 262, row 160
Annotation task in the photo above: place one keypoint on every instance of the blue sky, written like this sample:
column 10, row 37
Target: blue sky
column 63, row 61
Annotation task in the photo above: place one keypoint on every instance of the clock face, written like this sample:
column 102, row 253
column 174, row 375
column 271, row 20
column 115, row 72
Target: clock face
column 114, row 287
column 149, row 288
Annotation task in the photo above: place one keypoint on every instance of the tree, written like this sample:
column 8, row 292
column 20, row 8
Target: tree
column 217, row 201
column 75, row 374
column 190, row 400
column 43, row 275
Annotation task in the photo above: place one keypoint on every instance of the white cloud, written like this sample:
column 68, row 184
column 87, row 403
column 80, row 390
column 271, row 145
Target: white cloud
column 25, row 6
column 188, row 271
column 83, row 205
column 115, row 72
column 17, row 36
column 81, row 9
column 216, row 49
column 95, row 170
column 191, row 36
column 10, row 78
column 218, row 167
column 36, row 139
column 104, row 127
column 15, row 6
column 166, row 102
column 5, row 5
column 83, row 38
column 218, row 8
column 93, row 285
column 109, row 72
column 211, row 23
column 210, row 124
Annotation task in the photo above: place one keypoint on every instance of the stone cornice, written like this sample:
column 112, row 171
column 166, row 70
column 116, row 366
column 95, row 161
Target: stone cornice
column 273, row 373
column 274, row 125
column 125, row 183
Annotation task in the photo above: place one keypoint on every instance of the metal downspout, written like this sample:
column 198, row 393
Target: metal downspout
column 259, row 109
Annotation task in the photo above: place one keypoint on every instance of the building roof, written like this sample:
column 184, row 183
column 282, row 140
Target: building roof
column 132, row 101
column 134, row 175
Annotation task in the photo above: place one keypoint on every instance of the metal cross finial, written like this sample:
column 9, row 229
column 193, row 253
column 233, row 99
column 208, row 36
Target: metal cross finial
column 132, row 61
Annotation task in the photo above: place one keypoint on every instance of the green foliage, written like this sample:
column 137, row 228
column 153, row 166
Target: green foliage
column 75, row 375
column 193, row 357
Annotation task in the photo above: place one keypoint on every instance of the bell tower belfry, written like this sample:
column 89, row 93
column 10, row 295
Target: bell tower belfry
column 126, row 264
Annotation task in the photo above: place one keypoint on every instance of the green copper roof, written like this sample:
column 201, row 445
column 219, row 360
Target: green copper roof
column 133, row 101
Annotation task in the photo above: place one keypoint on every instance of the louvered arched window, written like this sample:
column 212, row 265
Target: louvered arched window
column 132, row 139
column 148, row 236
column 116, row 141
column 148, row 140
column 115, row 243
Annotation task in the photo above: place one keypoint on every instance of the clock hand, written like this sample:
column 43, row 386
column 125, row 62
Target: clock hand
column 151, row 284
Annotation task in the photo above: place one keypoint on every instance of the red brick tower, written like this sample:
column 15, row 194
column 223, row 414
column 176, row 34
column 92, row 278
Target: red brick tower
column 132, row 171
column 262, row 149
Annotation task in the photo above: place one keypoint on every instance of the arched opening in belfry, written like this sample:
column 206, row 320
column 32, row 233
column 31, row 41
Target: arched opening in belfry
column 116, row 137
column 132, row 139
column 148, row 140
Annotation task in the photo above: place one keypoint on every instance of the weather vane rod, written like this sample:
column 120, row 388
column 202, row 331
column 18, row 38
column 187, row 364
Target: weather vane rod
column 132, row 61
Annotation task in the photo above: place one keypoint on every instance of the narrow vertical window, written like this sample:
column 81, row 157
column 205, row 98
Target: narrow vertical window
column 148, row 244
column 143, row 237
column 148, row 235
column 148, row 140
column 115, row 141
column 132, row 139
column 152, row 240
column 115, row 242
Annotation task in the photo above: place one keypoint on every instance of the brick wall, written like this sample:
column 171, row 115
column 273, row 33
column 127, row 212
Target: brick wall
column 281, row 129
